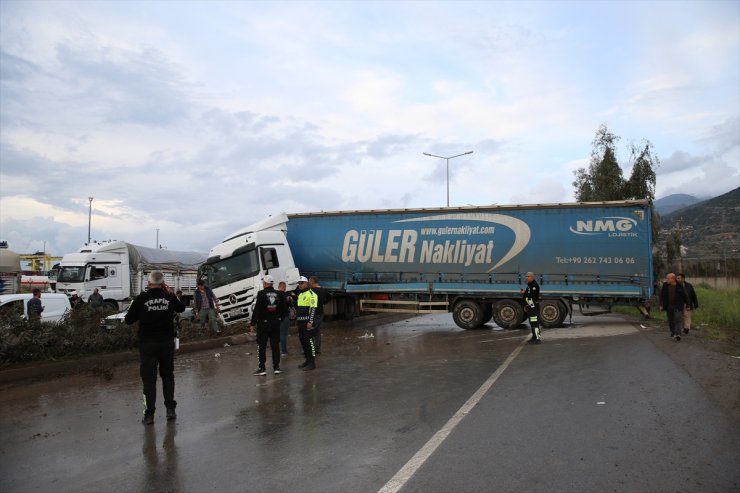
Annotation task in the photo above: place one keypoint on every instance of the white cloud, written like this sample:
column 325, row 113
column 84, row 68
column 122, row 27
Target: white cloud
column 201, row 119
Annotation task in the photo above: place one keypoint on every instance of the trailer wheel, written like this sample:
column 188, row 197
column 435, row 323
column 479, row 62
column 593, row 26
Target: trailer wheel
column 508, row 314
column 468, row 314
column 552, row 313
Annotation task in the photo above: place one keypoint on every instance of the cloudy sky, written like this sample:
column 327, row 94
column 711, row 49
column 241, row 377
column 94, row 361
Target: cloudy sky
column 198, row 118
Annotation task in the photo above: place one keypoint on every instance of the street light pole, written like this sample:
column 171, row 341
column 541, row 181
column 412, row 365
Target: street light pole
column 89, row 219
column 448, row 169
column 157, row 245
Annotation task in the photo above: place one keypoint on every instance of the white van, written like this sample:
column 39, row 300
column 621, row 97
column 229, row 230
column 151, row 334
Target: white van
column 55, row 305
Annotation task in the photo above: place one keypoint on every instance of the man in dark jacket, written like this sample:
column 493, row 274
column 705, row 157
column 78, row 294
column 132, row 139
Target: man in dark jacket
column 205, row 304
column 673, row 300
column 154, row 310
column 95, row 300
column 531, row 297
column 34, row 308
column 692, row 302
column 270, row 308
column 322, row 298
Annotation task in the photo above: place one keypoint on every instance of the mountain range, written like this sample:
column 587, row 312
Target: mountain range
column 709, row 229
column 674, row 202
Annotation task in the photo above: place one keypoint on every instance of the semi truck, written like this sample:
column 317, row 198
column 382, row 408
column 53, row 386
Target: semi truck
column 119, row 271
column 470, row 261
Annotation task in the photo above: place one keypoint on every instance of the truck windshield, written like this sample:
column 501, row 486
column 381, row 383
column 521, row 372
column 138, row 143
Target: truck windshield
column 232, row 269
column 71, row 274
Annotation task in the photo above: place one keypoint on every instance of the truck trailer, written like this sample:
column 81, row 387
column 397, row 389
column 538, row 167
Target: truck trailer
column 470, row 261
column 119, row 270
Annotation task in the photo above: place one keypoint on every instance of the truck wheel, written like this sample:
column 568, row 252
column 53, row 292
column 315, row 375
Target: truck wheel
column 552, row 313
column 508, row 314
column 111, row 305
column 468, row 314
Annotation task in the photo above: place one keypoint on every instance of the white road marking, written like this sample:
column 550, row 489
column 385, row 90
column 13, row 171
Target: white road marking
column 409, row 469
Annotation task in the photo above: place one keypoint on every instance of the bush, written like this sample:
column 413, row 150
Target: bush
column 79, row 334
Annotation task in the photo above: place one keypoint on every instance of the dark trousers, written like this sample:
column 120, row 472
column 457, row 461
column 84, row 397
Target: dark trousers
column 675, row 320
column 284, row 329
column 318, row 320
column 153, row 354
column 269, row 331
column 308, row 342
column 533, row 315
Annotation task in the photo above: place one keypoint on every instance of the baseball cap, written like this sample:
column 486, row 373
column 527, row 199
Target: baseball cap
column 268, row 279
column 302, row 279
column 156, row 277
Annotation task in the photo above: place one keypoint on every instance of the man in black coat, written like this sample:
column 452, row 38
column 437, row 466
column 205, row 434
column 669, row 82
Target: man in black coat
column 270, row 308
column 673, row 300
column 692, row 302
column 324, row 297
column 531, row 297
column 155, row 309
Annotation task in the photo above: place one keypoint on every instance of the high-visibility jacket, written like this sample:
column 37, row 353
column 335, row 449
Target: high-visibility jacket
column 305, row 306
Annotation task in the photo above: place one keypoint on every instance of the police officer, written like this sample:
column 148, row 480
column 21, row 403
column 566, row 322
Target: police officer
column 531, row 297
column 323, row 297
column 154, row 310
column 305, row 311
column 270, row 309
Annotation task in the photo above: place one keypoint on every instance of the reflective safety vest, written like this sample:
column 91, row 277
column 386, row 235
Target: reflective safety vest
column 306, row 306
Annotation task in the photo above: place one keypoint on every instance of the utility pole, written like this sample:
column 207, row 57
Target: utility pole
column 89, row 219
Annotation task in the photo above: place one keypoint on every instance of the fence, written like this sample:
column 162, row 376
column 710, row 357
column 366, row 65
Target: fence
column 720, row 282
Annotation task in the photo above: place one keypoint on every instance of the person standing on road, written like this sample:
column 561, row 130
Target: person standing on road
column 323, row 297
column 205, row 307
column 531, row 297
column 270, row 309
column 95, row 300
column 154, row 309
column 34, row 308
column 673, row 300
column 285, row 321
column 305, row 313
column 692, row 302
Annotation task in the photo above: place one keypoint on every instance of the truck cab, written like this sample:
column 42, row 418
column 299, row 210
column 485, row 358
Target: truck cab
column 235, row 267
column 83, row 271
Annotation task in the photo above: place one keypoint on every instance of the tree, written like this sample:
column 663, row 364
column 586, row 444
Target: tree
column 673, row 250
column 603, row 181
column 641, row 184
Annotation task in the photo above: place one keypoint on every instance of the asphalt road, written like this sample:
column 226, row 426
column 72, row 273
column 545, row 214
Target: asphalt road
column 413, row 405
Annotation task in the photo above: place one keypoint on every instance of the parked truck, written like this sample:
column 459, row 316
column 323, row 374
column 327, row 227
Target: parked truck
column 10, row 270
column 469, row 261
column 119, row 270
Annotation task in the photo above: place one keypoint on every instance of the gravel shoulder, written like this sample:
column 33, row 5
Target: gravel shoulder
column 708, row 362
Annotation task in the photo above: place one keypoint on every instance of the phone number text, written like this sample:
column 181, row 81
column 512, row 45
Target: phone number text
column 595, row 260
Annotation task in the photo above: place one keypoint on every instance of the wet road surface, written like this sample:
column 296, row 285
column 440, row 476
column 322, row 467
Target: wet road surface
column 596, row 407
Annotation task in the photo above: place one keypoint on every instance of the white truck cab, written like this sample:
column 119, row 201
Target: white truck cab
column 235, row 267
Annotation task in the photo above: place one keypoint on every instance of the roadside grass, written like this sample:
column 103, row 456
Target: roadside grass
column 718, row 315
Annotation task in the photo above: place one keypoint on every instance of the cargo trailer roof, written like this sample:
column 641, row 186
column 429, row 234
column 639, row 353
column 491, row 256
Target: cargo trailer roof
column 615, row 203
